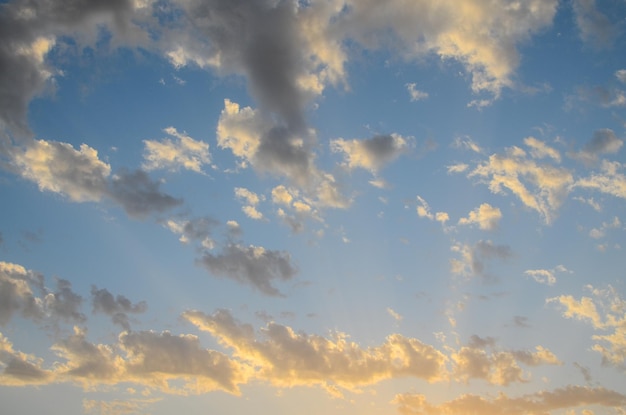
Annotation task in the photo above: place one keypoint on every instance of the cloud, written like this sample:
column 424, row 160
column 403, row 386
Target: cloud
column 20, row 369
column 370, row 154
column 182, row 152
column 604, row 141
column 269, row 148
column 539, row 149
column 541, row 187
column 23, row 291
column 608, row 180
column 16, row 292
column 481, row 36
column 472, row 261
column 286, row 358
column 394, row 314
column 481, row 360
column 605, row 311
column 170, row 363
column 546, row 276
column 116, row 407
column 82, row 177
column 139, row 195
column 252, row 265
column 117, row 307
column 30, row 30
column 59, row 168
column 195, row 229
column 415, row 93
column 485, row 216
column 595, row 27
column 252, row 200
column 423, row 211
column 569, row 397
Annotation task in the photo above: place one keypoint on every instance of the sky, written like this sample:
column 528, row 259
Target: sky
column 306, row 207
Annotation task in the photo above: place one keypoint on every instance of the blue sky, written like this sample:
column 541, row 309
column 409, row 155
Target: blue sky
column 313, row 207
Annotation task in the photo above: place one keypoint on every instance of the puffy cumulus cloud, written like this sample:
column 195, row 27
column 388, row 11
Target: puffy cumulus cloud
column 160, row 361
column 59, row 168
column 485, row 216
column 117, row 307
column 158, row 358
column 82, row 177
column 539, row 186
column 295, row 209
column 173, row 154
column 30, row 29
column 370, row 154
column 546, row 276
column 543, row 402
column 606, row 312
column 480, row 359
column 16, row 292
column 604, row 141
column 139, row 195
column 481, row 35
column 608, row 179
column 282, row 48
column 20, row 368
column 269, row 148
column 23, row 291
column 194, row 229
column 473, row 257
column 286, row 358
column 594, row 26
column 252, row 265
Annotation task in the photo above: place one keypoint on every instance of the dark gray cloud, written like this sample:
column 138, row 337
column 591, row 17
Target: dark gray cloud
column 603, row 141
column 28, row 29
column 251, row 265
column 139, row 195
column 16, row 292
column 64, row 303
column 117, row 307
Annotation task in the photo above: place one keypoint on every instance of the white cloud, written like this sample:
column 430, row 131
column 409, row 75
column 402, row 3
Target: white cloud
column 370, row 154
column 541, row 187
column 415, row 93
column 59, row 168
column 606, row 311
column 174, row 154
column 486, row 216
column 481, row 36
column 546, row 276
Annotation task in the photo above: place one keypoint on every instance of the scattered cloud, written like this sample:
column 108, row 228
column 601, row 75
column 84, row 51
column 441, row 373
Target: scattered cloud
column 180, row 151
column 371, row 154
column 415, row 93
column 485, row 216
column 605, row 311
column 567, row 398
column 595, row 27
column 117, row 307
column 252, row 265
column 546, row 276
